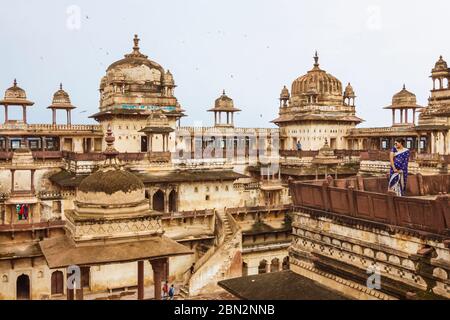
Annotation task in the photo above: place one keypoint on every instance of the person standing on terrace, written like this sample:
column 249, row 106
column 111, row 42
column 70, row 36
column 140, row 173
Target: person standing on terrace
column 399, row 158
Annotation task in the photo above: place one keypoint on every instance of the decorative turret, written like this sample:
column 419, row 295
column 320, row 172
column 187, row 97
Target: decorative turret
column 349, row 95
column 224, row 104
column 404, row 101
column 16, row 96
column 110, row 152
column 441, row 73
column 284, row 97
column 61, row 101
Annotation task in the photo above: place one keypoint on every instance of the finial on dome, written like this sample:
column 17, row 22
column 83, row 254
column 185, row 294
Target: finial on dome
column 316, row 59
column 136, row 42
column 110, row 152
column 15, row 83
column 223, row 92
column 60, row 86
column 404, row 87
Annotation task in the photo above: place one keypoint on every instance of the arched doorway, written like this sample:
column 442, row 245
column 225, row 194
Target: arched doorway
column 275, row 265
column 262, row 268
column 244, row 269
column 57, row 282
column 285, row 265
column 173, row 201
column 158, row 201
column 23, row 287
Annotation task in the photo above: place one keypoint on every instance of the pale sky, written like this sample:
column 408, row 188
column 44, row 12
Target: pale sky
column 250, row 48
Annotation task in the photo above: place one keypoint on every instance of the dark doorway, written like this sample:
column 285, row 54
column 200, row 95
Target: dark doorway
column 23, row 287
column 57, row 282
column 244, row 269
column 285, row 265
column 262, row 268
column 158, row 201
column 173, row 201
column 144, row 144
column 85, row 277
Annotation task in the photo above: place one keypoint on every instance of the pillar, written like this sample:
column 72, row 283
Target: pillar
column 140, row 280
column 414, row 116
column 24, row 112
column 32, row 180
column 158, row 272
column 393, row 116
column 12, row 180
column 232, row 118
column 6, row 113
column 53, row 116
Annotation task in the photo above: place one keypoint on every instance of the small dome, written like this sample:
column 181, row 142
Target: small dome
column 404, row 98
column 168, row 79
column 441, row 65
column 285, row 93
column 61, row 99
column 349, row 92
column 157, row 118
column 111, row 180
column 224, row 102
column 16, row 95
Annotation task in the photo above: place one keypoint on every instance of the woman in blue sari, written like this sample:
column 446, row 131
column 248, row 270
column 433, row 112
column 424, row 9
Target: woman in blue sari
column 399, row 158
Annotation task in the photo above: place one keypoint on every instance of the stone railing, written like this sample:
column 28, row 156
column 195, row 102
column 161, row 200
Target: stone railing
column 368, row 200
column 216, row 263
column 51, row 127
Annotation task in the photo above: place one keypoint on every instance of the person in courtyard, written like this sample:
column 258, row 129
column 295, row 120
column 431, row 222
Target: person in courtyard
column 299, row 145
column 399, row 158
column 165, row 290
column 171, row 292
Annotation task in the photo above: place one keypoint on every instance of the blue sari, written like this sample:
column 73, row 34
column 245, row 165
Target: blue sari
column 397, row 180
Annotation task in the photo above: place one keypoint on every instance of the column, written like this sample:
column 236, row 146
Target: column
column 140, row 280
column 401, row 115
column 150, row 142
column 53, row 116
column 158, row 272
column 228, row 118
column 12, row 180
column 6, row 113
column 414, row 116
column 444, row 136
column 24, row 111
column 32, row 181
column 67, row 116
column 215, row 118
column 232, row 118
column 163, row 142
column 393, row 116
column 406, row 115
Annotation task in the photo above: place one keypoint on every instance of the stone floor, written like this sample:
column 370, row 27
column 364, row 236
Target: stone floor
column 149, row 294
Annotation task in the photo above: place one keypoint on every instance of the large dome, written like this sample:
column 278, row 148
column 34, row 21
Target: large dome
column 316, row 81
column 135, row 67
column 110, row 181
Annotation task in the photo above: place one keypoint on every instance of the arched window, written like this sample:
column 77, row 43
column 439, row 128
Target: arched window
column 158, row 201
column 275, row 265
column 23, row 287
column 173, row 201
column 262, row 268
column 57, row 282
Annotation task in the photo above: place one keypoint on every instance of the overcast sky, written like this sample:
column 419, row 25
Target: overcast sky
column 249, row 48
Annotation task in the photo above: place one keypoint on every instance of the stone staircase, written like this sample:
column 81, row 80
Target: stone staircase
column 216, row 262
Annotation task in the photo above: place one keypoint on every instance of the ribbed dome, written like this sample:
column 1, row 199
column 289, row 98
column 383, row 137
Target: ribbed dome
column 316, row 81
column 16, row 95
column 110, row 181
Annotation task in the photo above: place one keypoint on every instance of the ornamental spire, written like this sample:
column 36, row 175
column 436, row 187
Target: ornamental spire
column 110, row 152
column 316, row 60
